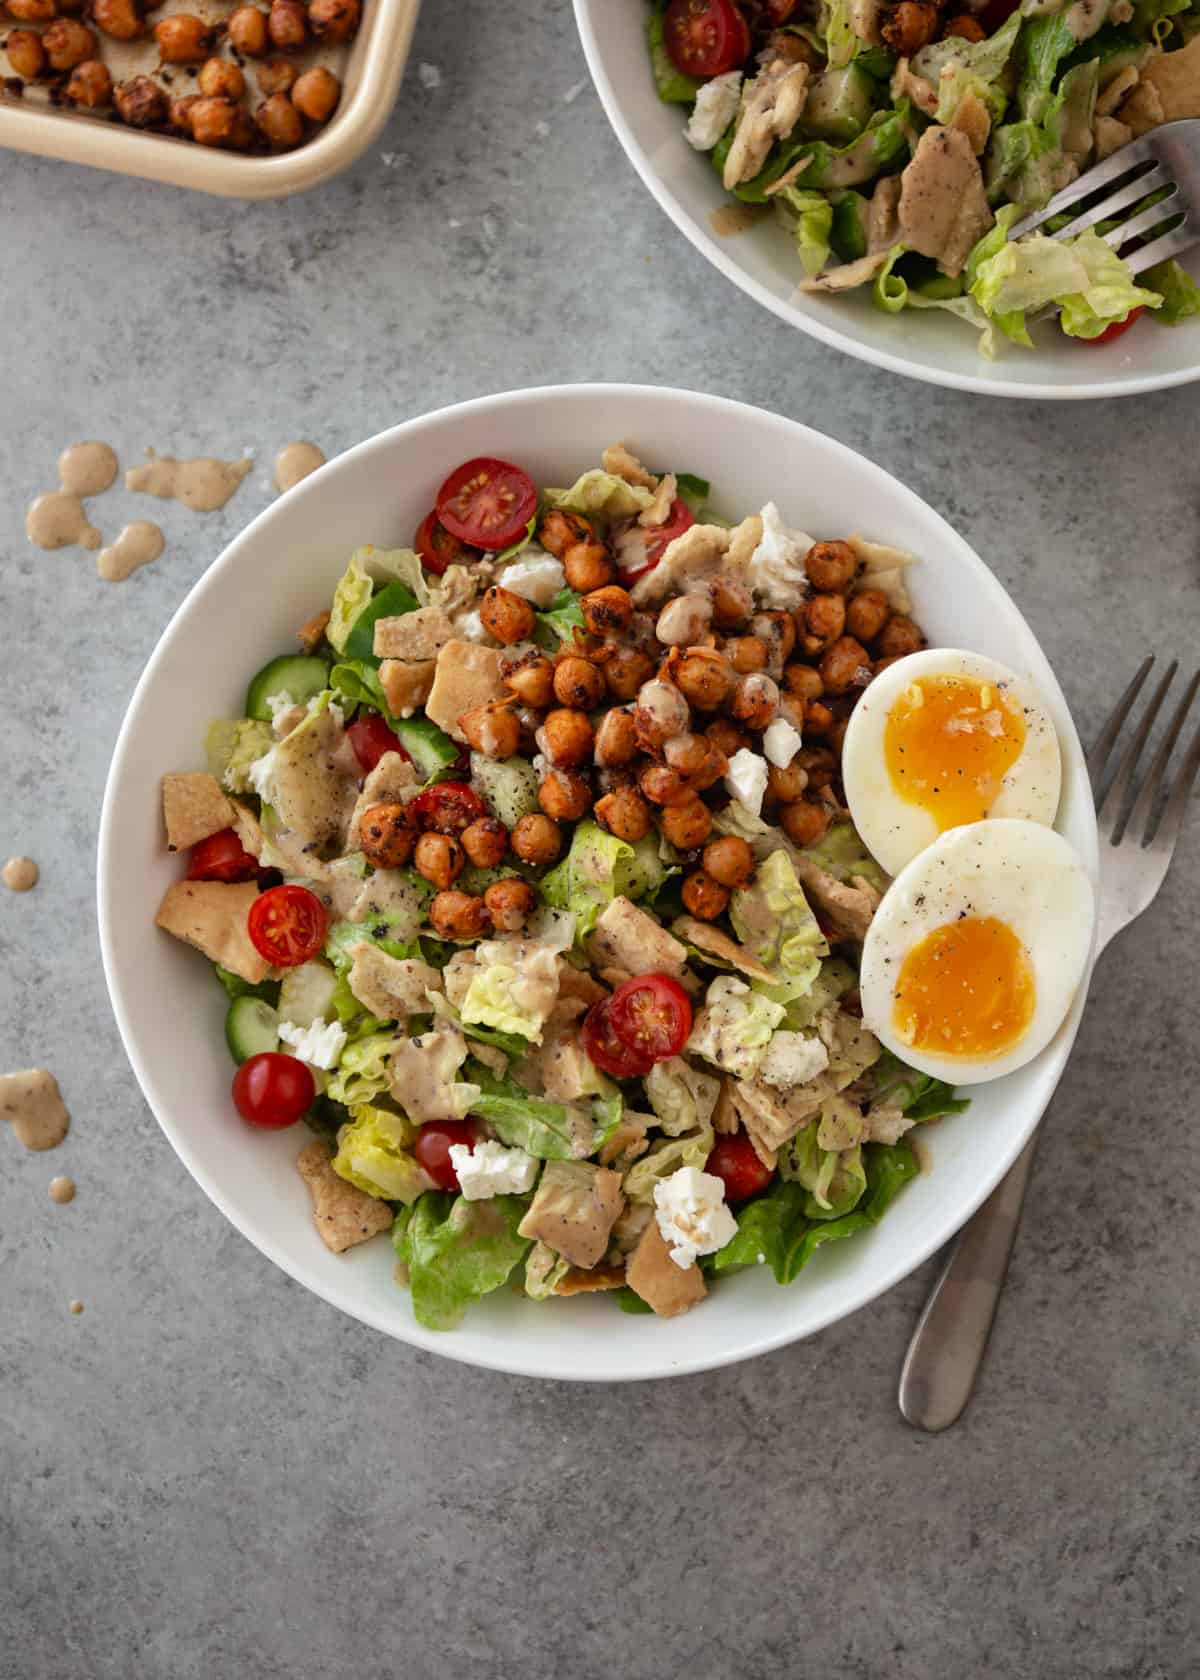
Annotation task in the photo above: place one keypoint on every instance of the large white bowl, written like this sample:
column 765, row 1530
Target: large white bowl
column 763, row 262
column 246, row 608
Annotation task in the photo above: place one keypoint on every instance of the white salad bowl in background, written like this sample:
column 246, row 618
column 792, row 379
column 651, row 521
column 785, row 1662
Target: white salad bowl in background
column 762, row 260
column 247, row 607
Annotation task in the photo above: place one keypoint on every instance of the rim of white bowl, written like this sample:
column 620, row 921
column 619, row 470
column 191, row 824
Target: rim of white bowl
column 830, row 336
column 1053, row 1059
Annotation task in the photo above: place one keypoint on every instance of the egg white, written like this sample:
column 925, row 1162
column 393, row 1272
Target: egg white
column 893, row 829
column 1024, row 875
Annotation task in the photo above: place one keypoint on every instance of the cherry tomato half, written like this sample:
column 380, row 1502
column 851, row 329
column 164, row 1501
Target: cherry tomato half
column 679, row 520
column 371, row 739
column 447, row 807
column 1117, row 328
column 705, row 37
column 437, row 548
column 734, row 1162
column 287, row 925
column 610, row 1053
column 487, row 502
column 652, row 1016
column 221, row 857
column 432, row 1149
column 272, row 1090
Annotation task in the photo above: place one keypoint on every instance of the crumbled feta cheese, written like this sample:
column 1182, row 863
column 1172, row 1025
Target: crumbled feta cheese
column 259, row 776
column 319, row 1045
column 535, row 576
column 492, row 1170
column 716, row 106
column 746, row 779
column 692, row 1216
column 776, row 568
column 793, row 1059
column 781, row 742
column 470, row 625
column 277, row 704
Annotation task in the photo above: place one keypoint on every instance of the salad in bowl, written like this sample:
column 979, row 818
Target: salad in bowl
column 614, row 891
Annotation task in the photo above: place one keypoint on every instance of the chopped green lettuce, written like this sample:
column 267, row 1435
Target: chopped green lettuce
column 560, row 620
column 835, row 24
column 1045, row 42
column 362, row 1072
column 267, row 990
column 812, row 216
column 734, row 1028
column 457, row 1252
column 351, row 597
column 835, row 979
column 601, row 494
column 681, row 1096
column 918, row 1095
column 841, row 853
column 599, row 868
column 674, row 87
column 551, row 1131
column 1084, row 276
column 774, row 921
column 373, row 1153
column 666, row 1158
column 883, row 143
column 1179, row 292
column 356, row 683
column 232, row 745
column 834, row 1179
column 544, row 1271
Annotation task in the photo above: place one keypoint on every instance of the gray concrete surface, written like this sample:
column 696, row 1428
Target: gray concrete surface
column 210, row 1473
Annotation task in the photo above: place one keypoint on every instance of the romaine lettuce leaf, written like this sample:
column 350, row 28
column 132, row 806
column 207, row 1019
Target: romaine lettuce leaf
column 544, row 1270
column 883, row 143
column 1084, row 276
column 681, row 1096
column 232, row 745
column 1179, row 292
column 458, row 1251
column 842, row 854
column 918, row 1095
column 560, row 620
column 774, row 921
column 356, row 683
column 362, row 1073
column 599, row 868
column 666, row 1158
column 734, row 1028
column 373, row 1153
column 551, row 1131
column 601, row 494
column 834, row 1179
column 812, row 217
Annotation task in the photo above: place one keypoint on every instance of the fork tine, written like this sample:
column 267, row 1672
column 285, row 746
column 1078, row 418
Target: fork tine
column 1102, row 746
column 1120, row 791
column 1140, row 817
column 1104, row 174
column 1120, row 200
column 1172, row 244
column 1167, row 832
column 1165, row 210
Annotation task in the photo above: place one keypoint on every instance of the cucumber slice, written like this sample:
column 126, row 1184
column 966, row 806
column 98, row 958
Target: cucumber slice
column 429, row 747
column 299, row 676
column 509, row 788
column 251, row 1027
column 306, row 994
column 391, row 601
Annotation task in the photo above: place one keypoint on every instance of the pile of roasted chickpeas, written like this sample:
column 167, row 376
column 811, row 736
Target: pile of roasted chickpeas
column 261, row 44
column 635, row 721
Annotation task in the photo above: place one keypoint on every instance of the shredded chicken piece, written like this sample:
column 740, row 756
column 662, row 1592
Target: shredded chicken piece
column 846, row 276
column 1110, row 134
column 906, row 84
column 1123, row 83
column 660, row 508
column 848, row 908
column 771, row 107
column 973, row 119
column 943, row 207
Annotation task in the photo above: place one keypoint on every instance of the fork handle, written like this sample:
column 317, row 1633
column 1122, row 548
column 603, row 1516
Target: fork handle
column 951, row 1336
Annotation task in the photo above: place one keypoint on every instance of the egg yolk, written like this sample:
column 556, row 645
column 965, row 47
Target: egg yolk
column 966, row 989
column 948, row 744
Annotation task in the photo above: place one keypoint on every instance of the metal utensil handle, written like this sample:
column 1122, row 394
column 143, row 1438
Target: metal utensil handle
column 951, row 1337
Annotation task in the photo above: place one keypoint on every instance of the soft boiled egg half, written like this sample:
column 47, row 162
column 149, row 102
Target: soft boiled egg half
column 975, row 955
column 943, row 738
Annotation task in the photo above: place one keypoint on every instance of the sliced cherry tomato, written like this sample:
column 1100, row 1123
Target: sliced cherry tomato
column 610, row 1053
column 652, row 1016
column 680, row 519
column 779, row 11
column 272, row 1090
column 1117, row 328
column 371, row 739
column 487, row 502
column 437, row 548
column 221, row 857
column 734, row 1162
column 433, row 1145
column 448, row 807
column 705, row 37
column 287, row 925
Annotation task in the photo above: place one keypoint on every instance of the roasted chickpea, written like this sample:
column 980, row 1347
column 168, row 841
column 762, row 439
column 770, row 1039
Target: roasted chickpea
column 32, row 11
column 536, row 838
column 778, row 631
column 565, row 795
column 510, row 904
column 803, row 681
column 746, row 654
column 898, row 637
column 587, row 567
column 732, row 603
column 140, row 102
column 804, row 822
column 566, row 737
column 334, row 21
column 703, row 897
column 67, row 42
column 845, row 665
column 120, row 20
column 560, row 531
column 866, row 614
column 220, row 78
column 26, row 55
column 608, row 611
column 817, row 764
column 818, row 719
column 626, row 671
column 684, row 620
column 616, row 738
column 531, row 679
column 485, row 842
column 661, row 712
column 244, row 135
column 824, row 622
column 458, row 915
column 690, row 754
column 440, row 858
column 686, row 825
column 911, row 26
column 786, row 782
column 726, row 736
column 182, row 38
column 386, row 836
column 287, row 24
column 705, row 677
column 213, row 121
column 277, row 75
column 966, row 27
column 663, row 786
column 729, row 860
column 507, row 617
column 247, row 31
column 578, row 683
column 493, row 729
column 316, row 94
column 279, row 122
column 610, row 780
column 793, row 49
column 756, row 701
column 792, row 709
column 180, row 114
column 831, row 566
column 624, row 813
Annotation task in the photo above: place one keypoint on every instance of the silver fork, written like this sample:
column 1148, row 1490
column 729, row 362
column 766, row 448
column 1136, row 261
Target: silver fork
column 1166, row 158
column 1140, row 818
